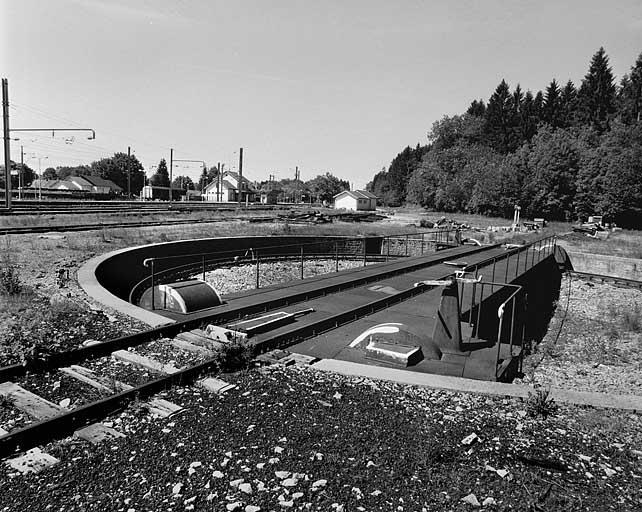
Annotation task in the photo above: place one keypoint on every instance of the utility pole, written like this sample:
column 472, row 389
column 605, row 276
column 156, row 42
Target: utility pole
column 129, row 174
column 7, row 151
column 171, row 167
column 241, row 176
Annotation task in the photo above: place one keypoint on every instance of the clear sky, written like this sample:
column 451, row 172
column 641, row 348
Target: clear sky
column 339, row 86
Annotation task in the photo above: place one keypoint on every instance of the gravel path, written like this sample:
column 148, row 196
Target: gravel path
column 243, row 277
column 297, row 439
column 594, row 346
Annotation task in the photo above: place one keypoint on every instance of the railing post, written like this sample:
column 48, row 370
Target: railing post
column 526, row 259
column 422, row 244
column 151, row 265
column 336, row 256
column 387, row 248
column 492, row 279
column 532, row 254
column 499, row 342
column 301, row 262
column 479, row 305
column 517, row 265
column 257, row 270
column 473, row 291
column 512, row 324
column 203, row 267
column 507, row 265
column 461, row 296
column 406, row 245
column 364, row 252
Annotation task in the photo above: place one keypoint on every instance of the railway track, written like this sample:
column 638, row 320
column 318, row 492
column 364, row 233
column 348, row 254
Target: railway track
column 615, row 281
column 95, row 207
column 110, row 374
column 19, row 230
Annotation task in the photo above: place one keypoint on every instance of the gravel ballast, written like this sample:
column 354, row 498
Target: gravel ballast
column 294, row 438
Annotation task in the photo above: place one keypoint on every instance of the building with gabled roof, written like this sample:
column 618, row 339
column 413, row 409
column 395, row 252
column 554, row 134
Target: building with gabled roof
column 229, row 190
column 358, row 200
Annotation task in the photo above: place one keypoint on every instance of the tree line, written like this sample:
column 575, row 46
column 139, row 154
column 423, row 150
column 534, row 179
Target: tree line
column 117, row 168
column 562, row 154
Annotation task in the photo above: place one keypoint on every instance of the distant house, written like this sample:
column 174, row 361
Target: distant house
column 95, row 185
column 269, row 196
column 49, row 185
column 355, row 200
column 192, row 195
column 229, row 190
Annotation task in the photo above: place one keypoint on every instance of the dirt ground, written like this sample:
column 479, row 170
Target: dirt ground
column 594, row 340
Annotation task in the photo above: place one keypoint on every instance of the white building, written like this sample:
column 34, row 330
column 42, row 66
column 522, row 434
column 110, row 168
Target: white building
column 230, row 190
column 355, row 200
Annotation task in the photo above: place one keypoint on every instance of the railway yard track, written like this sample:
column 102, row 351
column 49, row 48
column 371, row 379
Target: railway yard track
column 20, row 230
column 100, row 378
column 599, row 278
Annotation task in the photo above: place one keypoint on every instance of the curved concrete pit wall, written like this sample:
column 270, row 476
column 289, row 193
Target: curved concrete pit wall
column 110, row 278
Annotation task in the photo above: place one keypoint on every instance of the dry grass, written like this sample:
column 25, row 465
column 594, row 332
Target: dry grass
column 625, row 243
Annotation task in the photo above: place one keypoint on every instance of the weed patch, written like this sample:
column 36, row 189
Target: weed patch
column 233, row 356
column 540, row 403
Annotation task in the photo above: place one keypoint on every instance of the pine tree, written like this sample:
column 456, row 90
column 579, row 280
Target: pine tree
column 501, row 122
column 568, row 105
column 477, row 108
column 527, row 121
column 203, row 181
column 518, row 98
column 596, row 97
column 552, row 104
column 630, row 95
column 161, row 176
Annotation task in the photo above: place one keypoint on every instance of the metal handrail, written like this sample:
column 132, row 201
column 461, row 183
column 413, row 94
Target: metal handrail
column 240, row 256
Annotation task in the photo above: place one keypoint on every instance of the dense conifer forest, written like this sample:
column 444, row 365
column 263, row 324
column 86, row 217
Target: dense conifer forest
column 562, row 154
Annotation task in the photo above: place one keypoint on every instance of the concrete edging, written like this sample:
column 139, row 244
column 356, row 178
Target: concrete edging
column 89, row 283
column 459, row 384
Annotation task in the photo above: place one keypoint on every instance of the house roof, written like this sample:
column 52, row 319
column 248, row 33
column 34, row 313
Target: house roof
column 46, row 184
column 97, row 181
column 235, row 175
column 357, row 194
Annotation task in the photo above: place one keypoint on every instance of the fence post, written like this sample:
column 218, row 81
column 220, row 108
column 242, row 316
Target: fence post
column 301, row 262
column 364, row 251
column 257, row 270
column 406, row 245
column 387, row 248
column 517, row 266
column 203, row 267
column 526, row 259
column 336, row 256
column 422, row 244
